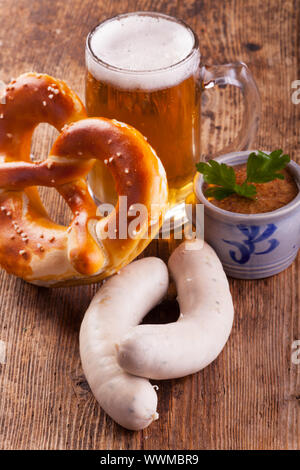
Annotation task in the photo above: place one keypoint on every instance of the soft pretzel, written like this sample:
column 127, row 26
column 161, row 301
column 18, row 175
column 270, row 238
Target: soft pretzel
column 31, row 245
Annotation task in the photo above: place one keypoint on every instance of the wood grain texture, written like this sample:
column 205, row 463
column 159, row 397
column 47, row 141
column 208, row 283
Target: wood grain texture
column 249, row 397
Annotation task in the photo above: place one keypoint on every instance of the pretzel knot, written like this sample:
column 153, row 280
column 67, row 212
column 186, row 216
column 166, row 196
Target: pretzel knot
column 31, row 245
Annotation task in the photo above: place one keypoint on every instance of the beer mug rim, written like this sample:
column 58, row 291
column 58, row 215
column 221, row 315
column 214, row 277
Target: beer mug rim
column 194, row 50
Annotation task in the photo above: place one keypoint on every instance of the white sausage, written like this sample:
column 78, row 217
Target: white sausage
column 199, row 335
column 120, row 304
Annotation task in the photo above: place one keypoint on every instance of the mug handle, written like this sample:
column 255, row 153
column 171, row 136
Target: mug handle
column 238, row 75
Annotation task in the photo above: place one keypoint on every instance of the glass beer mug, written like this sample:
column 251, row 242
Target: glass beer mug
column 145, row 69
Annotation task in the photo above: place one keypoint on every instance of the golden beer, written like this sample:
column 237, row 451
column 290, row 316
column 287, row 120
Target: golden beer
column 142, row 70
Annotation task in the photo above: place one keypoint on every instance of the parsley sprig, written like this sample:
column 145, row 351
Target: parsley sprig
column 261, row 168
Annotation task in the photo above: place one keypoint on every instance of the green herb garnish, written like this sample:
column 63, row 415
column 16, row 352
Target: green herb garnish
column 261, row 168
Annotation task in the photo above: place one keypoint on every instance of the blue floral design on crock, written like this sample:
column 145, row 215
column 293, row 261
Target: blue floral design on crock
column 247, row 248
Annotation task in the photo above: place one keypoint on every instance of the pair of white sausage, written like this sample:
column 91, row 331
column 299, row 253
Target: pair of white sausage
column 118, row 355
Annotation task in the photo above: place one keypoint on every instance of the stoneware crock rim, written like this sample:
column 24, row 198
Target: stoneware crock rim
column 222, row 213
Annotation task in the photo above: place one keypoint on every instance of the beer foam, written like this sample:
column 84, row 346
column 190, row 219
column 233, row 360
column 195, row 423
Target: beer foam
column 143, row 47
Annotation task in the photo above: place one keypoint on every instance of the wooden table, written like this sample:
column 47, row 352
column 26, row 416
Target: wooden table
column 250, row 396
